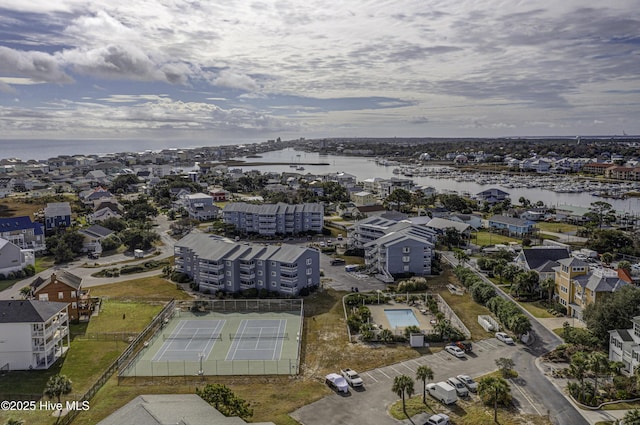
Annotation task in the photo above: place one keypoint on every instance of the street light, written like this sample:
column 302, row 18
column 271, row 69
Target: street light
column 201, row 371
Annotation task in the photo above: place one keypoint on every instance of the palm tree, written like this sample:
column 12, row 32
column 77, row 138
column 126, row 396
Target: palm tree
column 403, row 387
column 632, row 417
column 578, row 367
column 598, row 363
column 57, row 386
column 494, row 389
column 25, row 291
column 423, row 373
column 549, row 285
column 13, row 421
column 460, row 255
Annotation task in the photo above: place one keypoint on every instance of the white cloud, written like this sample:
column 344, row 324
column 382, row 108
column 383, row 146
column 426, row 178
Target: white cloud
column 234, row 80
column 38, row 66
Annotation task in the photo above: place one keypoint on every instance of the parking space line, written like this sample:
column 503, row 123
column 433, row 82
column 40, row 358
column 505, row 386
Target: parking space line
column 395, row 370
column 405, row 365
column 387, row 376
column 416, row 362
column 371, row 376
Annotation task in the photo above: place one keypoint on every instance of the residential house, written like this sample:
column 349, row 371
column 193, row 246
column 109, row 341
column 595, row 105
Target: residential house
column 475, row 221
column 541, row 259
column 404, row 249
column 34, row 334
column 571, row 214
column 534, row 214
column 219, row 194
column 218, row 264
column 441, row 225
column 624, row 346
column 23, row 232
column 164, row 409
column 93, row 235
column 388, row 186
column 65, row 287
column 510, row 225
column 363, row 198
column 91, row 195
column 492, row 196
column 105, row 209
column 577, row 287
column 274, row 219
column 13, row 258
column 199, row 206
column 6, row 186
column 57, row 215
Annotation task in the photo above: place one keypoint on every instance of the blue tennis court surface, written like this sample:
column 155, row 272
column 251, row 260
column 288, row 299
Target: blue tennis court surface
column 258, row 340
column 189, row 340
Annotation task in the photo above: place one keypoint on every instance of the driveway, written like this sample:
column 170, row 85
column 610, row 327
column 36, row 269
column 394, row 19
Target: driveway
column 370, row 405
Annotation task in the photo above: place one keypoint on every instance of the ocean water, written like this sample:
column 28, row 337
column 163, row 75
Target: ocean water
column 44, row 149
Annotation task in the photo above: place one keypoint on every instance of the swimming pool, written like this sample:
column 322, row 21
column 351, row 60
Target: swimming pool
column 401, row 318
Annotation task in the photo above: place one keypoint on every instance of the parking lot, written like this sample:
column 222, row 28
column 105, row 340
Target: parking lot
column 369, row 406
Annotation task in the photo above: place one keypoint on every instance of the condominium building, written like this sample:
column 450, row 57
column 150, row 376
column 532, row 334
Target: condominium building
column 624, row 346
column 274, row 219
column 219, row 264
column 34, row 334
column 404, row 249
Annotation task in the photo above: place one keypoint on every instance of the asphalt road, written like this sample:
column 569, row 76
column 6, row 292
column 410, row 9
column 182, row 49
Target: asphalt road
column 532, row 388
column 369, row 406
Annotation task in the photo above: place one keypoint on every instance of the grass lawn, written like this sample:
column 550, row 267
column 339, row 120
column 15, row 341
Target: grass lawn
column 324, row 346
column 464, row 307
column 557, row 227
column 149, row 288
column 86, row 359
column 487, row 238
column 536, row 309
column 44, row 263
column 12, row 207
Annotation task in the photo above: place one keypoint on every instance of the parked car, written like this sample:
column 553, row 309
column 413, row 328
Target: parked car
column 454, row 350
column 466, row 346
column 337, row 262
column 438, row 419
column 461, row 389
column 468, row 382
column 504, row 338
column 337, row 383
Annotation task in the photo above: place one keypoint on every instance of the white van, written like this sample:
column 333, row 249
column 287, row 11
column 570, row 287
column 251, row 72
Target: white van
column 442, row 392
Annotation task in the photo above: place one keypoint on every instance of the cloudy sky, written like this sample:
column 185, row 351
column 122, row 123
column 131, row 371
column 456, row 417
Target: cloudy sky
column 258, row 69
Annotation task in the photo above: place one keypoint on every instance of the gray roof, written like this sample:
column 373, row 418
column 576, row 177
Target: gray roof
column 215, row 248
column 537, row 257
column 170, row 409
column 97, row 230
column 443, row 224
column 279, row 208
column 404, row 231
column 509, row 220
column 28, row 311
column 57, row 209
column 61, row 276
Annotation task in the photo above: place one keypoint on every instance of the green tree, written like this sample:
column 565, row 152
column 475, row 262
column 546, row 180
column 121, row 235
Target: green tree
column 225, row 401
column 632, row 417
column 398, row 198
column 403, row 387
column 25, row 292
column 494, row 390
column 607, row 257
column 505, row 365
column 600, row 209
column 14, row 421
column 460, row 255
column 423, row 373
column 122, row 183
column 549, row 285
column 385, row 335
column 519, row 324
column 612, row 312
column 56, row 387
column 625, row 265
column 578, row 367
column 598, row 363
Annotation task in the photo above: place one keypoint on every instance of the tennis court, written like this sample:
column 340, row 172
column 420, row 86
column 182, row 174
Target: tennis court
column 230, row 341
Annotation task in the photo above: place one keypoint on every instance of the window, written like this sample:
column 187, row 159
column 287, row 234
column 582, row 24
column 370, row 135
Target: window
column 309, row 261
column 259, row 272
column 259, row 282
column 60, row 295
column 273, row 274
column 406, row 250
column 228, row 272
column 43, row 297
column 74, row 305
column 273, row 264
column 259, row 262
column 309, row 271
column 405, row 268
column 273, row 283
column 228, row 283
column 406, row 258
column 73, row 294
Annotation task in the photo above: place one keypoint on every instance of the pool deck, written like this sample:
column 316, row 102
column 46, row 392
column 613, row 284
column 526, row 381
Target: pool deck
column 380, row 318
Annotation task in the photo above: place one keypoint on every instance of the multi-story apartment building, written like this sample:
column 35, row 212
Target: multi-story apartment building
column 624, row 346
column 34, row 334
column 218, row 264
column 22, row 232
column 65, row 287
column 577, row 287
column 274, row 219
column 404, row 249
column 368, row 230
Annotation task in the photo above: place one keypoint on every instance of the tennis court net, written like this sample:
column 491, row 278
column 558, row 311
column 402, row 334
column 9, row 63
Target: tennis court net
column 192, row 337
column 284, row 335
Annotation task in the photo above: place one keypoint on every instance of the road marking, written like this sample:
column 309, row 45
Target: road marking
column 405, row 365
column 395, row 370
column 526, row 397
column 380, row 370
column 416, row 362
column 371, row 376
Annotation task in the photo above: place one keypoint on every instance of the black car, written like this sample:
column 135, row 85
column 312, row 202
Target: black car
column 337, row 262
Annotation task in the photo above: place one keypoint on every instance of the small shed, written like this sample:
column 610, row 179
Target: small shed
column 416, row 340
column 138, row 253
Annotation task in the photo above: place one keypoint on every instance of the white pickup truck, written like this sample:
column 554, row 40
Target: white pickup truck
column 352, row 377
